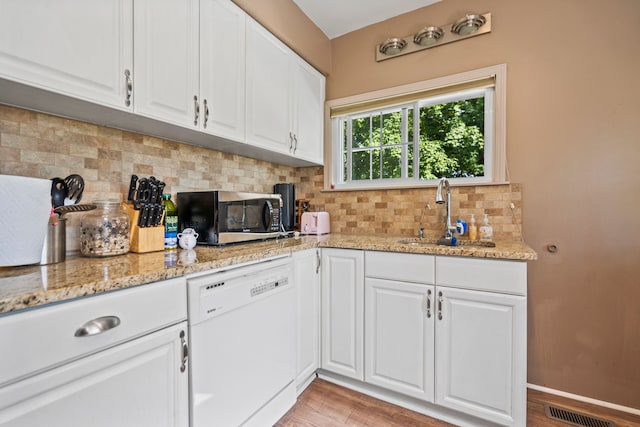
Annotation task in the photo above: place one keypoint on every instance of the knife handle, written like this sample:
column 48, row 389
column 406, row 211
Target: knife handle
column 132, row 188
column 144, row 215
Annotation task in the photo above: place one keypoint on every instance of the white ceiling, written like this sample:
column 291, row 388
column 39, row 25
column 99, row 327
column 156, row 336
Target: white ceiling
column 338, row 17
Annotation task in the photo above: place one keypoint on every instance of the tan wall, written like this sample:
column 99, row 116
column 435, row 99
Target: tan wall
column 573, row 144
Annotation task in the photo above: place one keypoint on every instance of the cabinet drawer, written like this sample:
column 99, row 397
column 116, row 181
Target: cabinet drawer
column 509, row 277
column 36, row 339
column 401, row 267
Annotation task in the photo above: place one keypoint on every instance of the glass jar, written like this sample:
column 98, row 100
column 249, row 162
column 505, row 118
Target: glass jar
column 104, row 231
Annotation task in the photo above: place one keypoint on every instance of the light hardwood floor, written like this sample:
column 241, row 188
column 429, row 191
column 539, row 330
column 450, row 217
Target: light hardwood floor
column 324, row 404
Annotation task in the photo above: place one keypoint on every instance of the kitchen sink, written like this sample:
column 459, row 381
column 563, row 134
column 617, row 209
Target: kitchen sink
column 434, row 242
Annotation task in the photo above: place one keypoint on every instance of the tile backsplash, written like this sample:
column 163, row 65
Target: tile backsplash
column 44, row 146
column 399, row 211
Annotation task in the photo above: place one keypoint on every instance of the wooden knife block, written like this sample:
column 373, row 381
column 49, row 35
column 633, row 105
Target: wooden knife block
column 143, row 239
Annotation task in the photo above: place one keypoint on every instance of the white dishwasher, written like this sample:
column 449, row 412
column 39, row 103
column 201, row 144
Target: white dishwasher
column 242, row 333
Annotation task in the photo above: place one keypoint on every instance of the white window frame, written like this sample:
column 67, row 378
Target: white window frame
column 495, row 131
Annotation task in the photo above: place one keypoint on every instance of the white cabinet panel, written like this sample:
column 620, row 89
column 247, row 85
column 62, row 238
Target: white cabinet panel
column 415, row 268
column 492, row 275
column 76, row 48
column 166, row 60
column 306, row 275
column 138, row 383
column 268, row 98
column 480, row 354
column 342, row 312
column 308, row 112
column 285, row 98
column 222, row 68
column 399, row 337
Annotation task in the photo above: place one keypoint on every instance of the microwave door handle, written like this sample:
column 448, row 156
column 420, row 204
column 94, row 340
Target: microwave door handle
column 267, row 215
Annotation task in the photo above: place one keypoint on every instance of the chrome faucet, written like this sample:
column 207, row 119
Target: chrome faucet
column 448, row 229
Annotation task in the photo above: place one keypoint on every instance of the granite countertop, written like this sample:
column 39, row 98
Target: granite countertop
column 32, row 286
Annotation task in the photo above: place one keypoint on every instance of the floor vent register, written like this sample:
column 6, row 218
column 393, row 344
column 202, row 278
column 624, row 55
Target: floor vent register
column 575, row 418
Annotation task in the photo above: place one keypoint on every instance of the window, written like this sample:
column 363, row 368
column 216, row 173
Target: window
column 414, row 135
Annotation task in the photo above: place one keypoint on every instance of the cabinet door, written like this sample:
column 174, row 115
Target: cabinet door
column 268, row 90
column 342, row 312
column 306, row 274
column 76, row 48
column 222, row 68
column 166, row 56
column 308, row 112
column 480, row 354
column 139, row 383
column 399, row 336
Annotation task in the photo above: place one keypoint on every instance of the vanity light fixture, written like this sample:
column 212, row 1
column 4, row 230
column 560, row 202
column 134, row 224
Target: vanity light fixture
column 392, row 46
column 468, row 25
column 428, row 36
column 435, row 35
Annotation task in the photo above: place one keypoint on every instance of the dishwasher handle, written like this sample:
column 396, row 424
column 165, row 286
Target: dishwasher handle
column 97, row 326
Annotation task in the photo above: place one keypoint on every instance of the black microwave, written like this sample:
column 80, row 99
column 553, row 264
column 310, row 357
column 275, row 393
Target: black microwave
column 221, row 217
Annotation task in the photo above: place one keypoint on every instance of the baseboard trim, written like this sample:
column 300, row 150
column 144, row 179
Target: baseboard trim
column 585, row 399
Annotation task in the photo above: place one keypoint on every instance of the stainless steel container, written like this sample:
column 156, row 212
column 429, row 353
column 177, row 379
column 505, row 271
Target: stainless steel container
column 55, row 243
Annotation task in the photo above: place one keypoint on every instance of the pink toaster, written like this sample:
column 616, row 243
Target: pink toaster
column 315, row 223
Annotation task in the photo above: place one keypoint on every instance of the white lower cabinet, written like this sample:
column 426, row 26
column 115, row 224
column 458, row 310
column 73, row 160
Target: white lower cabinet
column 306, row 274
column 399, row 336
column 118, row 359
column 480, row 354
column 449, row 331
column 342, row 312
column 138, row 383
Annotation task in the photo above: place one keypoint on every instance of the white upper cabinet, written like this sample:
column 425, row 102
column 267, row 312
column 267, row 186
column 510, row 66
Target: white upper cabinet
column 308, row 112
column 222, row 68
column 190, row 64
column 76, row 48
column 166, row 60
column 285, row 98
column 268, row 79
column 196, row 71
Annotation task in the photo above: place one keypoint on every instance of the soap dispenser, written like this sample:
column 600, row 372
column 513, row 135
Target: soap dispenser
column 486, row 230
column 473, row 228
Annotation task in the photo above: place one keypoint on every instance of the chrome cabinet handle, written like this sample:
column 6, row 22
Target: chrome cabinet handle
column 185, row 352
column 318, row 261
column 129, row 87
column 440, row 299
column 206, row 113
column 196, row 107
column 97, row 326
column 428, row 304
column 290, row 142
column 295, row 143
